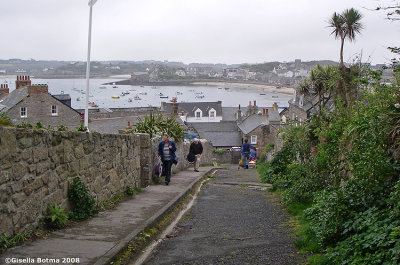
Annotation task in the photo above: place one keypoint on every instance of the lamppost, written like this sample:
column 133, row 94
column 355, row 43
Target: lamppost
column 91, row 4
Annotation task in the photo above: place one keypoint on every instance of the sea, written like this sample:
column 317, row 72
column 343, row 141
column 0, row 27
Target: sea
column 127, row 96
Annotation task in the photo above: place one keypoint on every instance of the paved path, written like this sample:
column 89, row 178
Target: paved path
column 235, row 221
column 97, row 240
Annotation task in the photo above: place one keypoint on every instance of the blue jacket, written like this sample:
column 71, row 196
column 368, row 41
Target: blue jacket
column 171, row 151
column 246, row 148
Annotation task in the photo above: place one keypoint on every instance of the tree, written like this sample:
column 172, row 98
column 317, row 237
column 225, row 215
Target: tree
column 345, row 26
column 153, row 124
column 321, row 83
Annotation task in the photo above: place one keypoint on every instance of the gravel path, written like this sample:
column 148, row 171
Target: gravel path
column 233, row 222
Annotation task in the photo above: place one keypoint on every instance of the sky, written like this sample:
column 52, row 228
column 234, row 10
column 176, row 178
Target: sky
column 191, row 31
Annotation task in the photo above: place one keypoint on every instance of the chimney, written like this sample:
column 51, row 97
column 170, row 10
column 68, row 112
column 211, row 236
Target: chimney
column 239, row 115
column 265, row 111
column 4, row 89
column 22, row 81
column 275, row 107
column 38, row 89
column 174, row 107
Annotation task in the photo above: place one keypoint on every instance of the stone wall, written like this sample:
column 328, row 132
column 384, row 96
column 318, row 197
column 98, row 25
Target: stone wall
column 37, row 167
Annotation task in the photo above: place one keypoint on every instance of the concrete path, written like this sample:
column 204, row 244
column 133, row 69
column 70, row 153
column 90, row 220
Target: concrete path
column 234, row 221
column 98, row 240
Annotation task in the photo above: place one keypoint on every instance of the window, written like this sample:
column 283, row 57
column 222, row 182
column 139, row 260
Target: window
column 212, row 114
column 198, row 114
column 253, row 139
column 54, row 110
column 24, row 113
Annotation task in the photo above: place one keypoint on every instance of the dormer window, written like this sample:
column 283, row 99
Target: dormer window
column 198, row 113
column 211, row 113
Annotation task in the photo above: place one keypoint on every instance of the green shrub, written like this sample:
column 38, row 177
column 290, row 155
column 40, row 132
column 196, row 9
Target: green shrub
column 82, row 202
column 81, row 128
column 129, row 190
column 62, row 128
column 25, row 125
column 55, row 218
column 218, row 151
column 5, row 120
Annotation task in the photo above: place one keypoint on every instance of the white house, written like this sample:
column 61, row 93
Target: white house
column 196, row 111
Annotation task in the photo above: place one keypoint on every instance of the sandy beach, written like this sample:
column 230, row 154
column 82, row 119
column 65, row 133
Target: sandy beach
column 260, row 87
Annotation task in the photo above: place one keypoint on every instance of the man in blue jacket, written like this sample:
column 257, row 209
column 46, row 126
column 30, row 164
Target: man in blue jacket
column 166, row 152
column 246, row 153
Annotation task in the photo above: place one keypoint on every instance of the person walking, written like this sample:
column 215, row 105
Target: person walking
column 197, row 149
column 245, row 150
column 166, row 152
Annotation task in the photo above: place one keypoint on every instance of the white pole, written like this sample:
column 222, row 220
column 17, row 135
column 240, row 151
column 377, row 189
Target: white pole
column 88, row 67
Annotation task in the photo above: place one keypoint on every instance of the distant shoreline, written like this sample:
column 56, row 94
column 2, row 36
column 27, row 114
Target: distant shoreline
column 216, row 83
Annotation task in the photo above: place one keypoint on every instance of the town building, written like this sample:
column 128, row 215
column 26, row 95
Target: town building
column 255, row 125
column 196, row 111
column 32, row 104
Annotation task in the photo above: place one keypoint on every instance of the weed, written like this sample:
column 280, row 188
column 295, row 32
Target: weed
column 55, row 218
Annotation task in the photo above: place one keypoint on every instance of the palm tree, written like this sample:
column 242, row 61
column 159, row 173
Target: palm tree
column 345, row 26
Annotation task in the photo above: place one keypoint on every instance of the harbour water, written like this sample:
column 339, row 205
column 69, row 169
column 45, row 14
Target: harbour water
column 126, row 96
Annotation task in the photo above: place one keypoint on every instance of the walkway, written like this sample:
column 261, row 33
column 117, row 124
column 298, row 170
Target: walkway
column 235, row 221
column 98, row 240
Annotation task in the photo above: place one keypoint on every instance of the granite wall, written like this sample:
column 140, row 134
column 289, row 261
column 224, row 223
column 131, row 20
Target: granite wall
column 37, row 167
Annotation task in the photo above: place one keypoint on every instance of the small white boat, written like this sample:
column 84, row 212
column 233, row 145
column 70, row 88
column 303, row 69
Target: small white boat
column 143, row 93
column 129, row 100
column 136, row 97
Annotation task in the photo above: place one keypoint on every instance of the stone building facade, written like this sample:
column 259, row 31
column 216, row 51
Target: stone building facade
column 32, row 103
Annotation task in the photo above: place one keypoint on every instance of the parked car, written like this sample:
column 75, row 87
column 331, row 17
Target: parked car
column 236, row 149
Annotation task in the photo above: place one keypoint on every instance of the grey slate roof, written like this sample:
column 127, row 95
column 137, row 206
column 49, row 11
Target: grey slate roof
column 13, row 99
column 252, row 122
column 309, row 102
column 62, row 97
column 274, row 116
column 229, row 113
column 223, row 139
column 221, row 134
column 191, row 107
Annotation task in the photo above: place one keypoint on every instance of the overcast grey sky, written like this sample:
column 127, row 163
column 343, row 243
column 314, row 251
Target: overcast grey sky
column 215, row 31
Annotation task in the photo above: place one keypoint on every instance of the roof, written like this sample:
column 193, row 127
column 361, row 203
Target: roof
column 230, row 113
column 223, row 139
column 309, row 102
column 191, row 107
column 222, row 134
column 62, row 97
column 274, row 115
column 13, row 99
column 252, row 122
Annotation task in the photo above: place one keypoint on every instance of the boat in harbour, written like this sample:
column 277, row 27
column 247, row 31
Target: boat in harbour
column 115, row 97
column 136, row 97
